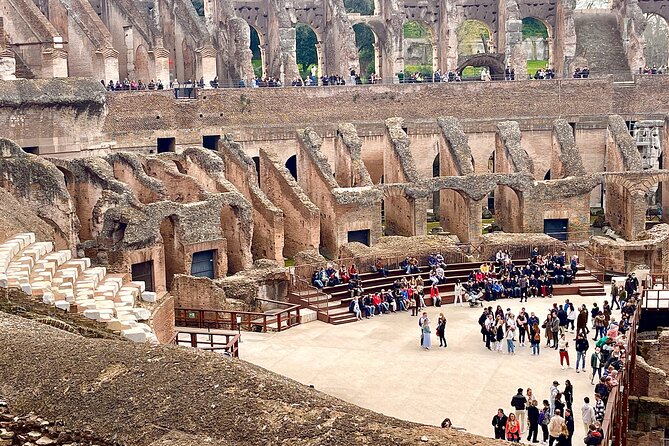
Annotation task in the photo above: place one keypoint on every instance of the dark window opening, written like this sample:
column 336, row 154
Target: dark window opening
column 361, row 236
column 291, row 165
column 143, row 272
column 203, row 264
column 32, row 149
column 211, row 141
column 556, row 228
column 166, row 145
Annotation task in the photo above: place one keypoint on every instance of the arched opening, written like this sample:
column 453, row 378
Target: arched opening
column 548, row 175
column 434, row 215
column 419, row 52
column 188, row 60
column 256, row 162
column 141, row 64
column 365, row 41
column 474, row 37
column 256, row 53
column 291, row 165
column 656, row 51
column 306, row 53
column 362, row 7
column 536, row 42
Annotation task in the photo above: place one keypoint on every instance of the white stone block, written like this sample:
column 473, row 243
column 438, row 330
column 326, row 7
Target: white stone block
column 3, row 280
column 135, row 334
column 92, row 314
column 142, row 314
column 139, row 284
column 27, row 288
column 149, row 296
column 48, row 298
column 62, row 304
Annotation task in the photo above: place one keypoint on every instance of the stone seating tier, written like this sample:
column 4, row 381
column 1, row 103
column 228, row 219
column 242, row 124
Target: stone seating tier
column 73, row 285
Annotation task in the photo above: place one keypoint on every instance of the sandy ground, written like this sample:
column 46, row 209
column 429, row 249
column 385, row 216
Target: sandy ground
column 378, row 364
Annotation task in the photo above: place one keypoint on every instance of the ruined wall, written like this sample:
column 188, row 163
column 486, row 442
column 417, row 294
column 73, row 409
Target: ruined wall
column 301, row 216
column 510, row 157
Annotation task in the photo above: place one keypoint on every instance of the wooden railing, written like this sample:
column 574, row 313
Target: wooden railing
column 280, row 319
column 616, row 417
column 205, row 339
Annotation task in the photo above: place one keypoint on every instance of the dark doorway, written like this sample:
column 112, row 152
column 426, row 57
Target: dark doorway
column 291, row 165
column 203, row 264
column 256, row 161
column 361, row 236
column 548, row 175
column 166, row 145
column 32, row 149
column 556, row 227
column 210, row 141
column 143, row 272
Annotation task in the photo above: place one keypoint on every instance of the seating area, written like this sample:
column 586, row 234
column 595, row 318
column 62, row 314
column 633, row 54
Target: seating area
column 73, row 285
column 333, row 301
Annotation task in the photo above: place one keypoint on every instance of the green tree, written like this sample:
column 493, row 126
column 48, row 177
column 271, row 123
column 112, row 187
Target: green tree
column 364, row 41
column 534, row 28
column 364, row 7
column 306, row 40
column 469, row 36
column 415, row 30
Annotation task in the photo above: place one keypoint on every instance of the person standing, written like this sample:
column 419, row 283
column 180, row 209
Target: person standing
column 614, row 294
column 555, row 427
column 499, row 335
column 554, row 391
column 587, row 414
column 518, row 402
column 596, row 365
column 441, row 330
column 568, row 394
column 582, row 346
column 600, row 408
column 582, row 321
column 512, row 429
column 533, row 420
column 511, row 340
column 555, row 328
column 535, row 339
column 427, row 341
column 458, row 293
column 521, row 321
column 499, row 424
column 544, row 419
column 564, row 353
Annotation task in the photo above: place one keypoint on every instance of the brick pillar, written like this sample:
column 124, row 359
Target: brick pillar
column 207, row 61
column 7, row 65
column 54, row 62
column 161, row 59
column 110, row 64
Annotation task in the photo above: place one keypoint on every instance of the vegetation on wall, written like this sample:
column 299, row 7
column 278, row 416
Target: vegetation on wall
column 364, row 7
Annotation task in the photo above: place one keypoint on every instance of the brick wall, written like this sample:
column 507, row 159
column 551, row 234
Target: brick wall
column 162, row 320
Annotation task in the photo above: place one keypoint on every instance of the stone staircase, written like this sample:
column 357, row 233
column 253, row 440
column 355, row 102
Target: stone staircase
column 599, row 41
column 73, row 285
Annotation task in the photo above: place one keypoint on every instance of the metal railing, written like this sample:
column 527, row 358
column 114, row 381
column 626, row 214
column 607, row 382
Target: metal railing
column 278, row 320
column 192, row 337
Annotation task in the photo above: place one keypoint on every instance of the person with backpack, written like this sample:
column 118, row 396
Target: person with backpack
column 518, row 402
column 535, row 339
column 544, row 419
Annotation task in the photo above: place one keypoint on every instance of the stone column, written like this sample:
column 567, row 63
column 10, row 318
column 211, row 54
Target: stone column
column 110, row 63
column 377, row 60
column 7, row 65
column 161, row 62
column 208, row 62
column 319, row 56
column 263, row 59
column 54, row 62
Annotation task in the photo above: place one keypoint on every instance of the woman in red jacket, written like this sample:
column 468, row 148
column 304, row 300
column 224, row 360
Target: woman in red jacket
column 512, row 429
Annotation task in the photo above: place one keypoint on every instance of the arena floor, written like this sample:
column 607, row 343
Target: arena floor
column 378, row 364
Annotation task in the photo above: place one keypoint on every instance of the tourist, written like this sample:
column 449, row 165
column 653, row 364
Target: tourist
column 499, row 332
column 510, row 340
column 490, row 331
column 582, row 321
column 600, row 408
column 521, row 321
column 555, row 427
column 558, row 403
column 446, row 424
column 441, row 330
column 426, row 340
column 354, row 308
column 587, row 414
column 533, row 421
column 544, row 419
column 596, row 365
column 458, row 293
column 563, row 345
column 554, row 391
column 434, row 295
column 568, row 394
column 593, row 437
column 582, row 346
column 565, row 438
column 536, row 339
column 555, row 329
column 518, row 402
column 512, row 429
column 571, row 316
column 499, row 424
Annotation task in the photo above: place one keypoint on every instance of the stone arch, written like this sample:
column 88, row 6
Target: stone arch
column 656, row 36
column 538, row 43
column 257, row 47
column 420, row 48
column 291, row 165
column 142, row 64
column 493, row 62
column 367, row 43
column 307, row 51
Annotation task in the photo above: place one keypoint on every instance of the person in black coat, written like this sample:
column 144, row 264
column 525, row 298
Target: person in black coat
column 533, row 420
column 499, row 423
column 569, row 421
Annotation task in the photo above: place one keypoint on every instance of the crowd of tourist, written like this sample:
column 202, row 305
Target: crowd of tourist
column 581, row 73
column 555, row 417
column 653, row 70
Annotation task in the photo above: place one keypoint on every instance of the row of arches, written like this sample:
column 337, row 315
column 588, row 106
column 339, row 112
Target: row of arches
column 420, row 47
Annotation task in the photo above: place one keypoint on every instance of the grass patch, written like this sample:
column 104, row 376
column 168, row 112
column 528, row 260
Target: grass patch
column 431, row 225
column 289, row 262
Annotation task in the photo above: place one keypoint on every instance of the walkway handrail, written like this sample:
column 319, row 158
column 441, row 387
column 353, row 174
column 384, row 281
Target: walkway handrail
column 249, row 320
column 230, row 346
column 616, row 416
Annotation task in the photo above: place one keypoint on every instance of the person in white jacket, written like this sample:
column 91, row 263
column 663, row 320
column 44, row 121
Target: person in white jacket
column 458, row 293
column 587, row 414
